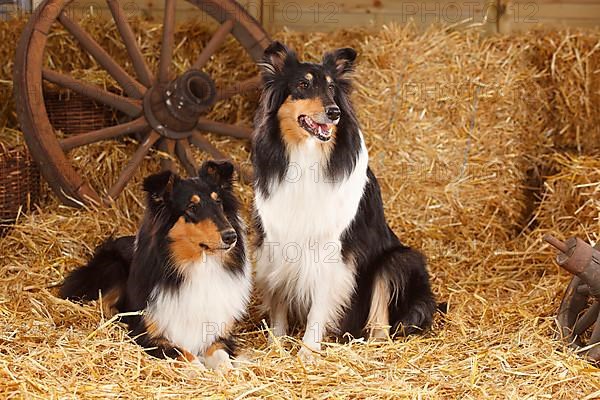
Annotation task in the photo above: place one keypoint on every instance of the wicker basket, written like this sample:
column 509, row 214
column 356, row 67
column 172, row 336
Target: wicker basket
column 19, row 184
column 72, row 113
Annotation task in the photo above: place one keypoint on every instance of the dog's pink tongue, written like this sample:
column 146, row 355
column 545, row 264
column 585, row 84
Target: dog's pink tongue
column 323, row 129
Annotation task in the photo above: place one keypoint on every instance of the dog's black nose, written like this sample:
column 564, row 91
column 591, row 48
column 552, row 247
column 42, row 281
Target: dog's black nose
column 333, row 112
column 229, row 236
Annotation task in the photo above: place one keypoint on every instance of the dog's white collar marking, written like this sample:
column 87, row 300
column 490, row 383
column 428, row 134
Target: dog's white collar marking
column 203, row 308
column 308, row 204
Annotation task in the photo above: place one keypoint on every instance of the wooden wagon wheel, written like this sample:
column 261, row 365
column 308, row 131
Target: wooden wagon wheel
column 166, row 110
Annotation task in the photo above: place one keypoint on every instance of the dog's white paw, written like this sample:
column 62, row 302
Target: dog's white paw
column 277, row 332
column 219, row 360
column 198, row 364
column 225, row 365
column 192, row 369
column 309, row 355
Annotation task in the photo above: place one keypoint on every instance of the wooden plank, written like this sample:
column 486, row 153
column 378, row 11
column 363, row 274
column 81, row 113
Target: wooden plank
column 568, row 2
column 311, row 15
column 548, row 13
column 315, row 16
column 143, row 8
column 554, row 23
column 562, row 11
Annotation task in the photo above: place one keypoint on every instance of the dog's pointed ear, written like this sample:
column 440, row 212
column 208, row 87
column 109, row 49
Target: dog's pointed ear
column 219, row 172
column 275, row 58
column 160, row 186
column 340, row 60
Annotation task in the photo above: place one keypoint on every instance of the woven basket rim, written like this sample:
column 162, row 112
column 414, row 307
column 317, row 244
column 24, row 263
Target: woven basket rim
column 8, row 150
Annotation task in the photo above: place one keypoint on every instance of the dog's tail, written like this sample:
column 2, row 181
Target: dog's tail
column 105, row 273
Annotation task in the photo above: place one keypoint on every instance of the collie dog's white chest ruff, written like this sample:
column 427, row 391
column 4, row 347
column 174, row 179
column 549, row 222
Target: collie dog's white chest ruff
column 205, row 306
column 303, row 219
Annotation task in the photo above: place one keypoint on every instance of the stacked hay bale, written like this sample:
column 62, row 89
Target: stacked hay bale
column 570, row 201
column 568, row 64
column 9, row 36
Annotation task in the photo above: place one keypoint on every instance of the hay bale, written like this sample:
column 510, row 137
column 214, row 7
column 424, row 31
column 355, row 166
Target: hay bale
column 568, row 63
column 9, row 36
column 570, row 201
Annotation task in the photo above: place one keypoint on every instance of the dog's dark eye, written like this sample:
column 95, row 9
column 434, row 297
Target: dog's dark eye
column 303, row 85
column 331, row 87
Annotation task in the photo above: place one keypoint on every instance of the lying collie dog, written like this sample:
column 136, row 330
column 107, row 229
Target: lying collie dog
column 325, row 254
column 186, row 269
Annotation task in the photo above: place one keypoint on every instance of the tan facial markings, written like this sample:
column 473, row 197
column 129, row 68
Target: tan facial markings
column 214, row 196
column 187, row 238
column 195, row 199
column 309, row 76
column 328, row 78
column 288, row 115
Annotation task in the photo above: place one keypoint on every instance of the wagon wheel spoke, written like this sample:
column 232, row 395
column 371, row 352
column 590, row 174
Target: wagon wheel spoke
column 185, row 156
column 128, row 106
column 237, row 88
column 139, row 64
column 203, row 144
column 167, row 146
column 132, row 87
column 111, row 132
column 168, row 36
column 133, row 164
column 587, row 319
column 213, row 44
column 221, row 128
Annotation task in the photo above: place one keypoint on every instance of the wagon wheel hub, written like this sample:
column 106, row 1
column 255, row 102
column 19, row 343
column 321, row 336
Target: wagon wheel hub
column 173, row 109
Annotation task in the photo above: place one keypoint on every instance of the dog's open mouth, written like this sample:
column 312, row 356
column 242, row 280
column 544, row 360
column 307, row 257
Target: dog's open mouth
column 222, row 247
column 320, row 131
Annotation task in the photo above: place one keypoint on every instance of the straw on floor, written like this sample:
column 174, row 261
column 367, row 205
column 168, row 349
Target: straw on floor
column 461, row 131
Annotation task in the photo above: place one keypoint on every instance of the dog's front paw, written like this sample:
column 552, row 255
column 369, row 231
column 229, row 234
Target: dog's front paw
column 192, row 369
column 219, row 360
column 225, row 365
column 198, row 364
column 308, row 353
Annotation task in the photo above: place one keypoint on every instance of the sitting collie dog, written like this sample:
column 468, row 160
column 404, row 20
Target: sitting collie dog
column 325, row 254
column 186, row 269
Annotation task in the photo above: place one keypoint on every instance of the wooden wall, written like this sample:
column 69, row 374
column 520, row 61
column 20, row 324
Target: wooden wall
column 493, row 16
column 325, row 15
column 329, row 15
column 522, row 15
